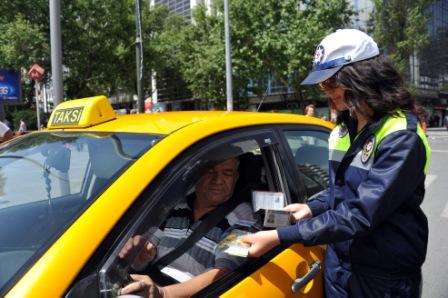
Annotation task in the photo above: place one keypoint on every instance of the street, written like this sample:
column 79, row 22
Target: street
column 435, row 205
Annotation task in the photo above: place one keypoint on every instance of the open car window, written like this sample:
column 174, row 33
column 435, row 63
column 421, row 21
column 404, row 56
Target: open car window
column 310, row 151
column 257, row 171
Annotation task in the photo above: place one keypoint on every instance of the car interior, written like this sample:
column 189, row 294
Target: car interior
column 253, row 175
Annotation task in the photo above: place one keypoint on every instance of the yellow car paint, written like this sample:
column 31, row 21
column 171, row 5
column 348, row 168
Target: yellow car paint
column 54, row 272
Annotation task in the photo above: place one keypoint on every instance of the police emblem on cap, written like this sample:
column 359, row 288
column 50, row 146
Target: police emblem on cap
column 319, row 55
column 367, row 149
column 342, row 131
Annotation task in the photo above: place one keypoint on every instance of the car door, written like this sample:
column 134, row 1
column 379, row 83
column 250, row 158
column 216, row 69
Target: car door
column 293, row 271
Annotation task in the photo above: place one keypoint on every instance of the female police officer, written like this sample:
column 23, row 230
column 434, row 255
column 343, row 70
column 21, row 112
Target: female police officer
column 370, row 216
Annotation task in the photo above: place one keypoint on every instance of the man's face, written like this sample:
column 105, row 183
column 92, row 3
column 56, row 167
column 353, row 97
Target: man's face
column 217, row 184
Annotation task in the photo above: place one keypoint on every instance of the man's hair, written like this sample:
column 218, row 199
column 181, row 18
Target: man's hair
column 376, row 82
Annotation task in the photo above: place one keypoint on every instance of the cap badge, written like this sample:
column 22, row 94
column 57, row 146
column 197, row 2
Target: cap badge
column 367, row 149
column 319, row 55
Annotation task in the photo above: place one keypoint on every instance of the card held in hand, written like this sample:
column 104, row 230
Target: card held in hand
column 269, row 205
column 233, row 245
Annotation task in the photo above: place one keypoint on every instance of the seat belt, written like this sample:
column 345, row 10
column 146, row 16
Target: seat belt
column 212, row 219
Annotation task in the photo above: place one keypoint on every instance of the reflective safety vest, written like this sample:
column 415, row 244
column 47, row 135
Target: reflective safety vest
column 339, row 142
column 370, row 216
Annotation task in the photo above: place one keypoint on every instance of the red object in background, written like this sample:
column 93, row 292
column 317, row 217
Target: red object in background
column 36, row 72
column 148, row 106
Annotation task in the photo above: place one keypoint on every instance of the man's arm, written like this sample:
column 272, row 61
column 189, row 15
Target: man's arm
column 144, row 286
column 194, row 285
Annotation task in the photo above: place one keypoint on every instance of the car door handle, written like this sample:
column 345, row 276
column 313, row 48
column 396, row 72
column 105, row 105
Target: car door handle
column 302, row 281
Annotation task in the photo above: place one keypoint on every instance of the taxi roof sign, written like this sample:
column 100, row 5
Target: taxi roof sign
column 82, row 113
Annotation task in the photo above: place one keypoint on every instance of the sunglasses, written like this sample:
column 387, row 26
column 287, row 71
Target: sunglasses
column 329, row 84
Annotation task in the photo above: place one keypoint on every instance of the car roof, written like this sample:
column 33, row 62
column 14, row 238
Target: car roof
column 168, row 122
column 96, row 114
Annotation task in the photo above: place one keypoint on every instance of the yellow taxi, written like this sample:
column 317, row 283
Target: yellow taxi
column 73, row 194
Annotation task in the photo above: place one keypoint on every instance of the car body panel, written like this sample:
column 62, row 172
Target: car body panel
column 276, row 277
column 55, row 271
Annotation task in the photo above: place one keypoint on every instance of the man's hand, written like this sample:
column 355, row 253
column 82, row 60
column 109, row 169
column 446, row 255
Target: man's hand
column 143, row 286
column 261, row 242
column 138, row 252
column 299, row 211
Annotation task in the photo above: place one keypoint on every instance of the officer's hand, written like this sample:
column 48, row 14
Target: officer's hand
column 138, row 252
column 261, row 242
column 143, row 286
column 299, row 211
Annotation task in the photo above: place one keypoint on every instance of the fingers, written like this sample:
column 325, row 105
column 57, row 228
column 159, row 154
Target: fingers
column 126, row 248
column 288, row 208
column 131, row 244
column 142, row 283
column 293, row 207
column 249, row 238
column 150, row 250
column 261, row 242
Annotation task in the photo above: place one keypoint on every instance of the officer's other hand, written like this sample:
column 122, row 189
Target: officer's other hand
column 299, row 211
column 261, row 242
column 138, row 252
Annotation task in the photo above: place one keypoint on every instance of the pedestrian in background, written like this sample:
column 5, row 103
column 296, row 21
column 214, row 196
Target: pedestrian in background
column 423, row 116
column 22, row 127
column 5, row 132
column 310, row 110
column 370, row 216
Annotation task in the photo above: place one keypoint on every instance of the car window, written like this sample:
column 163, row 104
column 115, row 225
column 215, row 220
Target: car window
column 155, row 221
column 310, row 151
column 47, row 179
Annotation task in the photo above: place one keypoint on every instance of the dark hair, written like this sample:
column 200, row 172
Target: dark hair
column 378, row 83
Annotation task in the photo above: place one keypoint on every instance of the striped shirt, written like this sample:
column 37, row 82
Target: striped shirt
column 202, row 255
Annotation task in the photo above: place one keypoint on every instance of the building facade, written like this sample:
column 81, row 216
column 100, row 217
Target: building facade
column 429, row 71
column 363, row 9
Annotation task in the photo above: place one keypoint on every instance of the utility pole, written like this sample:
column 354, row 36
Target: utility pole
column 139, row 57
column 228, row 57
column 56, row 51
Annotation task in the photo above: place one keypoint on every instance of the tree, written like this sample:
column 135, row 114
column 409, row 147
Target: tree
column 163, row 33
column 98, row 44
column 268, row 37
column 400, row 29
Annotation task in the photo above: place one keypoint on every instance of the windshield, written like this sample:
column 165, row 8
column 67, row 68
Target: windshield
column 48, row 179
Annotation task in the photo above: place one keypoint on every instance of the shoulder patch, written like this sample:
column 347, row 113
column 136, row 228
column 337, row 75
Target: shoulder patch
column 367, row 149
column 343, row 130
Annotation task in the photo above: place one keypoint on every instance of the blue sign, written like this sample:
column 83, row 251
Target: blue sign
column 10, row 91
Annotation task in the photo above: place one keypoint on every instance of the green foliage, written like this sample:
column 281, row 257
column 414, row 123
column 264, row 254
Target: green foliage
column 268, row 37
column 400, row 29
column 98, row 43
column 29, row 116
